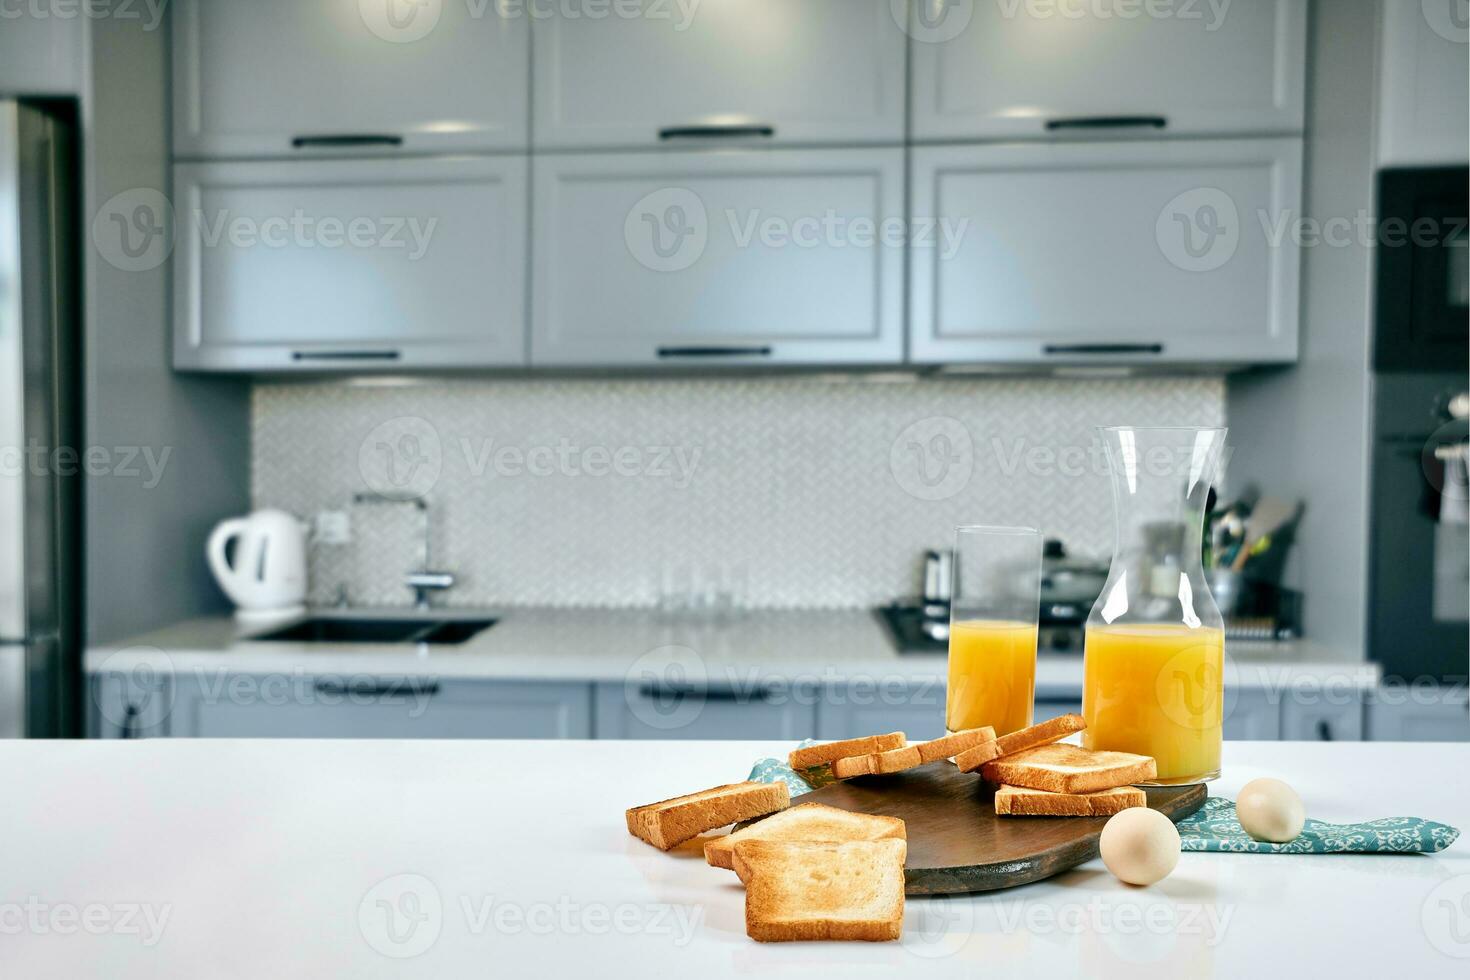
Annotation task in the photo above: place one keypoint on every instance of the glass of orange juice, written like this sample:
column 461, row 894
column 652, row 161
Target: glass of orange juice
column 994, row 604
column 1154, row 654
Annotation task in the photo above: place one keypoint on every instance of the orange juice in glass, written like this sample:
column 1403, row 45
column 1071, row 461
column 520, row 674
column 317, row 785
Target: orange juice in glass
column 995, row 600
column 1157, row 690
column 1154, row 653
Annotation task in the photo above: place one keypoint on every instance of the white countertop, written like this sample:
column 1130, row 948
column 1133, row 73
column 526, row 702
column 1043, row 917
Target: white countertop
column 609, row 645
column 220, row 859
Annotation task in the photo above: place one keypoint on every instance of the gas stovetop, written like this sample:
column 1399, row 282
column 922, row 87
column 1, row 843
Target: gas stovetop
column 921, row 629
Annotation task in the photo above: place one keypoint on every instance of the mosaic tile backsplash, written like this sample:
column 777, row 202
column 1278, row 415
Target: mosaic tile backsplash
column 761, row 493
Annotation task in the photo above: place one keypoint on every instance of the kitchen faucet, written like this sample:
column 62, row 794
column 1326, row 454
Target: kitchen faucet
column 424, row 581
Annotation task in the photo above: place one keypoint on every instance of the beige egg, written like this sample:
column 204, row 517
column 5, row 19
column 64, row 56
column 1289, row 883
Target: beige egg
column 1270, row 811
column 1139, row 845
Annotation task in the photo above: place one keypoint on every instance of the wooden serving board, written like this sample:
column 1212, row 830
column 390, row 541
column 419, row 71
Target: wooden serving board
column 956, row 842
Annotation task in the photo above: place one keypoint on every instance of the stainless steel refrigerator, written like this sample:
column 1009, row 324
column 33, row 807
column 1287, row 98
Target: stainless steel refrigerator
column 41, row 459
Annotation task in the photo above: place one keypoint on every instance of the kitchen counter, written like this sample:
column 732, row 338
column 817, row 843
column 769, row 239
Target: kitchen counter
column 335, row 858
column 796, row 648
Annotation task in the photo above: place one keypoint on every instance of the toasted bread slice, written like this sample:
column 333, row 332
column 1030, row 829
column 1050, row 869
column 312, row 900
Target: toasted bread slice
column 1069, row 769
column 1051, row 730
column 671, row 822
column 951, row 745
column 973, row 758
column 1017, row 801
column 814, row 822
column 819, row 755
column 879, row 763
column 797, row 890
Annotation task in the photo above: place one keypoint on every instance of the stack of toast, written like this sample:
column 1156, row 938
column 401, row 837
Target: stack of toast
column 813, row 871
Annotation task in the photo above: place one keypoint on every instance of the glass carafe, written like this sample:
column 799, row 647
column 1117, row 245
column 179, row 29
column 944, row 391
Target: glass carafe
column 1155, row 643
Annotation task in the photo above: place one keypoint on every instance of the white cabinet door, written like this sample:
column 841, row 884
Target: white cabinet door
column 298, row 77
column 1422, row 104
column 1026, row 68
column 863, row 707
column 1419, row 714
column 362, row 264
column 740, row 257
column 1107, row 252
column 643, row 712
column 280, row 706
column 769, row 71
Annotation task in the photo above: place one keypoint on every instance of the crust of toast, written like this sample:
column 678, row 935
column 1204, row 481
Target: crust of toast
column 1051, row 730
column 797, row 890
column 879, row 763
column 669, row 823
column 819, row 755
column 972, row 759
column 1017, row 801
column 1069, row 769
column 951, row 745
column 812, row 822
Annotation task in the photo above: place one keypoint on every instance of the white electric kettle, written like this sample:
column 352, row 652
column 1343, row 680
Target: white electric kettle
column 265, row 573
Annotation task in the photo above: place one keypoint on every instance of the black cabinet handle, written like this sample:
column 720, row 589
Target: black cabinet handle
column 376, row 689
column 1097, row 349
column 672, row 352
column 734, row 131
column 1107, row 122
column 347, row 140
column 1324, row 731
column 345, row 355
column 720, row 694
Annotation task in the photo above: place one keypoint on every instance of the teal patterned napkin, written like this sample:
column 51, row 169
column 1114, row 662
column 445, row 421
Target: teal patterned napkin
column 1214, row 827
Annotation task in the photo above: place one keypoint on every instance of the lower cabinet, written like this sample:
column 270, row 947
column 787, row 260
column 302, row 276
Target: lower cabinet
column 300, row 706
column 1251, row 715
column 1419, row 715
column 858, row 708
column 1322, row 720
column 754, row 713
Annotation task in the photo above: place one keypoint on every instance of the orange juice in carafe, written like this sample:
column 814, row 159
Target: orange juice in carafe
column 992, row 675
column 1156, row 690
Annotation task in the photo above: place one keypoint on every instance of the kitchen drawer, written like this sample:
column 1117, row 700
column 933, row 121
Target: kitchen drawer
column 734, row 258
column 1319, row 718
column 720, row 71
column 1251, row 715
column 1419, row 714
column 293, row 78
column 874, row 705
column 1108, row 253
column 1023, row 69
column 354, row 706
column 356, row 264
column 643, row 711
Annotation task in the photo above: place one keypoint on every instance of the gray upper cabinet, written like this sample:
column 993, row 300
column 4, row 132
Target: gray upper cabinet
column 1121, row 252
column 304, row 77
column 782, row 72
column 1016, row 69
column 718, row 258
column 283, row 266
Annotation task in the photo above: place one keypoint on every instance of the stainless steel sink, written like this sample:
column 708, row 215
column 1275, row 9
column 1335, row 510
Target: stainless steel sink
column 379, row 629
